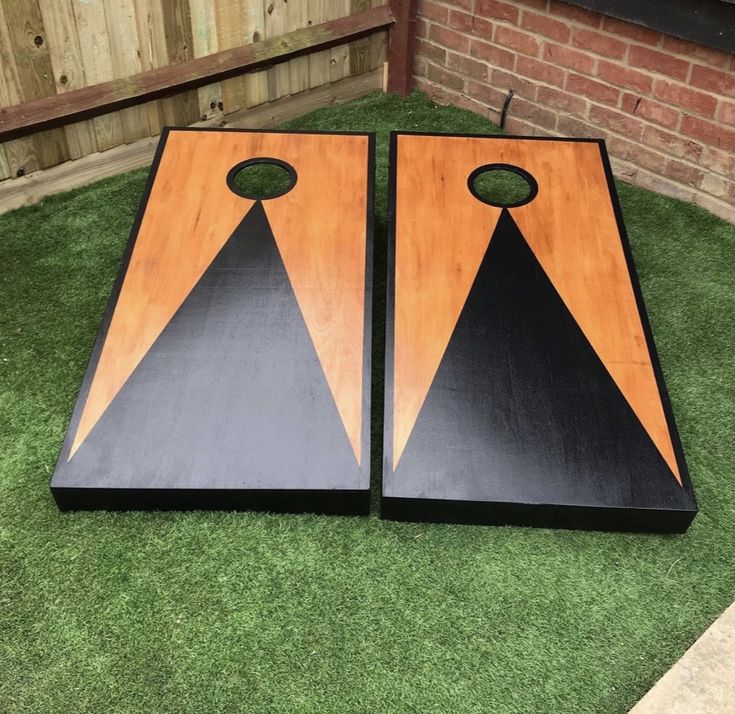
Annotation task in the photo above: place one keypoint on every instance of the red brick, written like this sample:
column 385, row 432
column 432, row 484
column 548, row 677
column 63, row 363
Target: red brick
column 713, row 80
column 545, row 25
column 467, row 66
column 650, row 110
column 717, row 186
column 422, row 27
column 561, row 100
column 571, row 126
column 718, row 161
column 658, row 62
column 577, row 14
column 533, row 112
column 726, row 112
column 621, row 123
column 519, row 41
column 432, row 11
column 449, row 38
column 621, row 28
column 685, row 98
column 465, row 22
column 419, row 66
column 599, row 43
column 441, row 96
column 568, row 57
column 624, row 77
column 576, row 84
column 637, row 154
column 684, row 173
column 505, row 81
column 708, row 132
column 492, row 54
column 534, row 4
column 671, row 143
column 519, row 127
column 543, row 71
column 439, row 75
column 710, row 56
column 433, row 52
column 485, row 94
column 497, row 10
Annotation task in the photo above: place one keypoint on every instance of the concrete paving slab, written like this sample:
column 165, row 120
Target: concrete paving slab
column 703, row 680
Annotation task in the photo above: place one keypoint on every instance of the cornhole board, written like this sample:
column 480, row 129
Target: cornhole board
column 522, row 383
column 233, row 364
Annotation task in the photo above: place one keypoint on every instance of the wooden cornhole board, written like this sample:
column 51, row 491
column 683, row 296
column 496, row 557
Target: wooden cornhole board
column 233, row 364
column 522, row 383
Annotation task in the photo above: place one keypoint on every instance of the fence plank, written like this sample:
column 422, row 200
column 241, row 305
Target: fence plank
column 68, row 68
column 180, row 46
column 359, row 50
column 203, row 23
column 95, row 48
column 318, row 61
column 256, row 83
column 298, row 17
column 125, row 54
column 231, row 15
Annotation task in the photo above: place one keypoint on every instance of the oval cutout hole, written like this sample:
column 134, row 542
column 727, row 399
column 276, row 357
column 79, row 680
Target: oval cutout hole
column 502, row 185
column 262, row 178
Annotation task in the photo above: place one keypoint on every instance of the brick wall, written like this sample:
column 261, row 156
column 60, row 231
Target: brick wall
column 665, row 106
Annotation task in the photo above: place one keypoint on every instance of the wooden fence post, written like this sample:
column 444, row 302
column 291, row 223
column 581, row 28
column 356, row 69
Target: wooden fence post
column 401, row 46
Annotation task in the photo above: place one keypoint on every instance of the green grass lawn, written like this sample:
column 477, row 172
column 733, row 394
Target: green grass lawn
column 239, row 612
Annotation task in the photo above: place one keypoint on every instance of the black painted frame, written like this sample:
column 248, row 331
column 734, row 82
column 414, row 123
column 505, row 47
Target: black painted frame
column 506, row 513
column 337, row 502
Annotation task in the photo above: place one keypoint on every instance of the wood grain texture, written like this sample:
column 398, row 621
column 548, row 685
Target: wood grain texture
column 571, row 228
column 204, row 42
column 68, row 68
column 28, row 65
column 318, row 61
column 4, row 165
column 434, row 271
column 94, row 45
column 180, row 48
column 125, row 52
column 276, row 22
column 190, row 215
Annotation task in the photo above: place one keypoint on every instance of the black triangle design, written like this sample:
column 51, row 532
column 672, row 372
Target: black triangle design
column 522, row 410
column 230, row 395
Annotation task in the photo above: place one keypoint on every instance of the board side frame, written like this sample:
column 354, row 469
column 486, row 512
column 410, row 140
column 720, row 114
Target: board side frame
column 344, row 501
column 508, row 513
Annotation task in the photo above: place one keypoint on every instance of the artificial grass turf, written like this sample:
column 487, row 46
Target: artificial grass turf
column 221, row 612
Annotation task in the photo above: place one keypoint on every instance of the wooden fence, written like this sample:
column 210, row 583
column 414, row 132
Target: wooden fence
column 171, row 62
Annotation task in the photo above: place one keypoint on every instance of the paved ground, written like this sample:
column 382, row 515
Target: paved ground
column 703, row 680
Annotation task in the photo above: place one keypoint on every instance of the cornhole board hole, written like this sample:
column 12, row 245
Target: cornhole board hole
column 522, row 383
column 233, row 364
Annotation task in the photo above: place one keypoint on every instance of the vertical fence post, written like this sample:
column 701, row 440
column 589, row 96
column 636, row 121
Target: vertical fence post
column 401, row 47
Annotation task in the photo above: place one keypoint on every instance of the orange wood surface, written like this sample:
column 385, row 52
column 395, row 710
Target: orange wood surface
column 319, row 226
column 442, row 232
